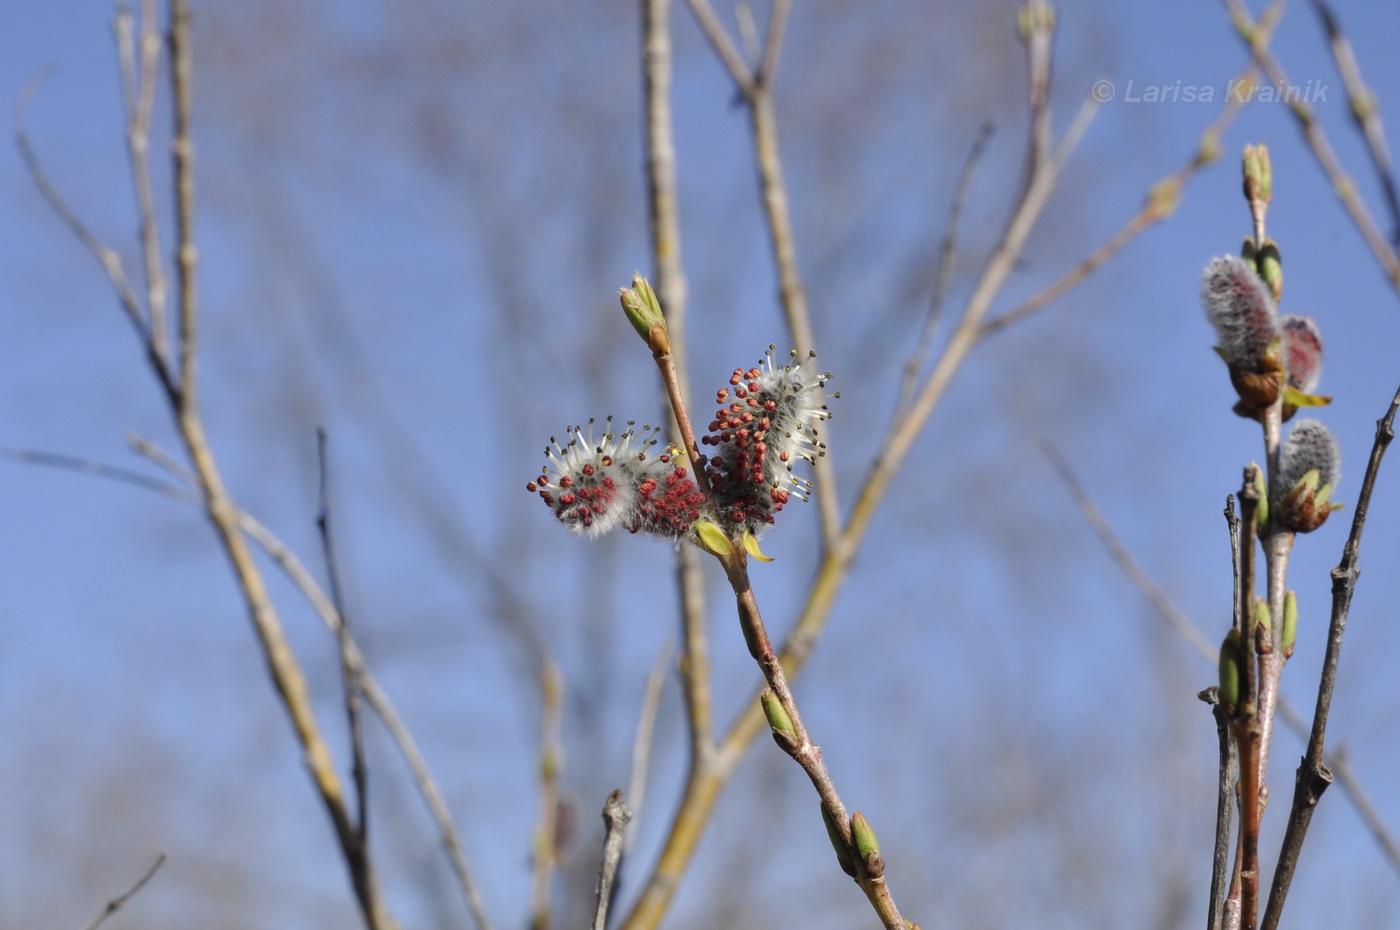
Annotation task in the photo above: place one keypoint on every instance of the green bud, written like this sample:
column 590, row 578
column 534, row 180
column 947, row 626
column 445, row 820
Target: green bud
column 1231, row 672
column 843, row 855
column 643, row 311
column 1247, row 251
column 867, row 847
column 1263, row 634
column 1261, row 484
column 1290, row 623
column 1258, row 173
column 1270, row 265
column 866, row 843
column 778, row 718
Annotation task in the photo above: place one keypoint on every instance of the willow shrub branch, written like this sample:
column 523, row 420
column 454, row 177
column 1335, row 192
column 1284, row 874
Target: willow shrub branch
column 1313, row 776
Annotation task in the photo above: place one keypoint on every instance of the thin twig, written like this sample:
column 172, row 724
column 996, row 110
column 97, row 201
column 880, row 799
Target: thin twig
column 363, row 864
column 116, row 903
column 1313, row 774
column 1179, row 622
column 1365, row 111
column 616, row 816
column 1343, row 187
column 302, row 578
column 546, row 840
column 943, row 277
column 869, row 871
column 773, row 47
column 1224, row 809
column 138, row 92
column 724, row 46
column 1183, row 627
column 646, row 726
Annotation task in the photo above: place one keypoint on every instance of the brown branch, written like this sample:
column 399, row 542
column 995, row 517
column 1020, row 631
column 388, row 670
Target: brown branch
column 1313, row 775
column 1365, row 110
column 869, row 871
column 118, row 902
column 1224, row 809
column 1316, row 138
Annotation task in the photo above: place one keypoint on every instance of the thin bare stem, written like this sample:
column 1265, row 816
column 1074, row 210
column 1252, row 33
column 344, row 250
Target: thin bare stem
column 138, row 92
column 616, row 817
column 1224, row 809
column 869, row 872
column 1183, row 627
column 1316, row 138
column 1179, row 622
column 723, row 45
column 773, row 47
column 1313, row 775
column 792, row 294
column 642, row 742
column 362, row 865
column 943, row 277
column 302, row 578
column 670, row 284
column 1365, row 110
column 118, row 902
column 547, row 814
column 186, row 252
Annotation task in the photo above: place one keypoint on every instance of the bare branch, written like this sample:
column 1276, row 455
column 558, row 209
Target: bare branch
column 116, row 903
column 546, row 839
column 1316, row 138
column 1365, row 110
column 943, row 277
column 362, row 865
column 646, row 725
column 1313, row 774
column 723, row 45
column 616, row 816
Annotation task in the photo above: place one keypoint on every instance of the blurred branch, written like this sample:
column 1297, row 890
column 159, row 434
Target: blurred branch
column 1192, row 634
column 361, row 865
column 545, row 845
column 1224, row 810
column 1313, row 774
column 1316, row 138
column 943, row 277
column 138, row 94
column 1175, row 619
column 1159, row 204
column 616, row 817
column 646, row 726
column 375, row 696
column 1365, row 110
column 116, row 903
column 756, row 91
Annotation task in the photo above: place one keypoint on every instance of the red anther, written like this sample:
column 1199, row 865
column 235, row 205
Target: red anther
column 680, row 472
column 607, row 460
column 543, row 481
column 783, row 457
column 588, row 469
column 770, row 405
column 532, row 487
column 566, row 481
column 753, row 385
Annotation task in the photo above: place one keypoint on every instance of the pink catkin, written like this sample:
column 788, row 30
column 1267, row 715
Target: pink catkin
column 1238, row 304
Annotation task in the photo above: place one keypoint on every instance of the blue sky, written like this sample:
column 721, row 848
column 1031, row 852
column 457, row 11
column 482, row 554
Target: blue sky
column 413, row 219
